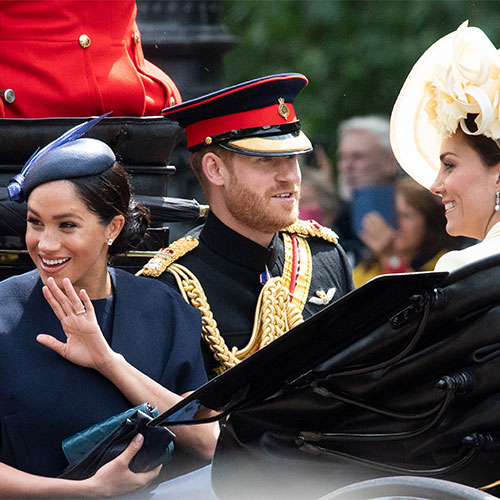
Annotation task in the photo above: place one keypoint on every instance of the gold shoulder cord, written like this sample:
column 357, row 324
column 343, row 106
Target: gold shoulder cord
column 312, row 228
column 277, row 310
column 274, row 315
column 157, row 265
column 304, row 273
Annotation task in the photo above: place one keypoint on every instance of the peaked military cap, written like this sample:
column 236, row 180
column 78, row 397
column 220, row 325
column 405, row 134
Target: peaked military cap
column 255, row 118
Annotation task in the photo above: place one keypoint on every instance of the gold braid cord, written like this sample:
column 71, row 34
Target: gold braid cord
column 312, row 228
column 274, row 316
column 157, row 265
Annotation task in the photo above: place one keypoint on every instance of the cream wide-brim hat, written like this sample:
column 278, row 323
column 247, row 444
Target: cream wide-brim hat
column 415, row 140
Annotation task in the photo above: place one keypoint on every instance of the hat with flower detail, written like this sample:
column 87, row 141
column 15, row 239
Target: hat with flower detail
column 254, row 118
column 459, row 75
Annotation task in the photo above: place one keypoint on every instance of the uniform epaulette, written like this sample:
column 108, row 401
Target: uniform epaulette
column 166, row 256
column 312, row 228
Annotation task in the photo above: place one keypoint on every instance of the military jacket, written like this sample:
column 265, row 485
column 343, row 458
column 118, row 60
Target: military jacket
column 230, row 268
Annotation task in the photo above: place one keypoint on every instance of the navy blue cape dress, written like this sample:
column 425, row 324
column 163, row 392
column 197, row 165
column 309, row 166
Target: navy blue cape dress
column 44, row 398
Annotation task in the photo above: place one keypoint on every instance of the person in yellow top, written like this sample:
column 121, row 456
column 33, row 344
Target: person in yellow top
column 418, row 242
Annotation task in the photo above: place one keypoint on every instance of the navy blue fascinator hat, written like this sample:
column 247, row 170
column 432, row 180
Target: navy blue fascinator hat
column 66, row 157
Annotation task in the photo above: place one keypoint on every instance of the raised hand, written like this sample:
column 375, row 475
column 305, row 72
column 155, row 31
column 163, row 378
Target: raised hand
column 85, row 344
column 377, row 235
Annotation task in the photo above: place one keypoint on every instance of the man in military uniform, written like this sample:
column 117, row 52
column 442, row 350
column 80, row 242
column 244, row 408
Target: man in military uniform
column 254, row 270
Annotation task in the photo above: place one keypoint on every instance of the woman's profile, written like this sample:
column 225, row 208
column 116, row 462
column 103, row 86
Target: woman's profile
column 79, row 340
column 445, row 132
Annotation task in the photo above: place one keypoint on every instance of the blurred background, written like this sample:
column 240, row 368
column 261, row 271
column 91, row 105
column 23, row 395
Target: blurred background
column 355, row 53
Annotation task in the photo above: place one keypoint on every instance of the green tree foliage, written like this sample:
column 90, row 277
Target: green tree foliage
column 355, row 53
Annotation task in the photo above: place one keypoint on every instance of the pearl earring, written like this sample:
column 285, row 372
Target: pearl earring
column 110, row 241
column 497, row 201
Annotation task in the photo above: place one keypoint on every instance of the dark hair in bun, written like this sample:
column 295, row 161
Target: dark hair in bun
column 109, row 194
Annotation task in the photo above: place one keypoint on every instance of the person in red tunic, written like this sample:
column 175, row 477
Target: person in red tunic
column 77, row 58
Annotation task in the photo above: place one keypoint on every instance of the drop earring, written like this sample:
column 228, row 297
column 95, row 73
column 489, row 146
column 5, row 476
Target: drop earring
column 497, row 201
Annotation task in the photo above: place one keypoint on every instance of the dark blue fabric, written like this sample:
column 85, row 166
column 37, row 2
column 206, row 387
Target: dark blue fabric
column 74, row 159
column 105, row 312
column 246, row 96
column 44, row 398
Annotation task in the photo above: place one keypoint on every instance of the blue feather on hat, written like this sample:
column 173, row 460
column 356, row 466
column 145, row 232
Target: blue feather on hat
column 15, row 187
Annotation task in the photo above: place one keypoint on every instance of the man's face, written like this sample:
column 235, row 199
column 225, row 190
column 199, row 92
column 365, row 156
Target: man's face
column 361, row 161
column 262, row 193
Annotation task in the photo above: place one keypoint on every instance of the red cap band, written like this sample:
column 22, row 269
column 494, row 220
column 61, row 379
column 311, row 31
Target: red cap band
column 196, row 133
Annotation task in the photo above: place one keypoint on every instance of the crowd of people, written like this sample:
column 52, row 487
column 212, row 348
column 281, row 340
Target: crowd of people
column 83, row 341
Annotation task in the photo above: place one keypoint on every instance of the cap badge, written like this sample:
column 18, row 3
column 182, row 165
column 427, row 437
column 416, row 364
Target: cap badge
column 283, row 108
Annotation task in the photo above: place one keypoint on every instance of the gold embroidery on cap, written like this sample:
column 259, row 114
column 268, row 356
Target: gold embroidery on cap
column 283, row 108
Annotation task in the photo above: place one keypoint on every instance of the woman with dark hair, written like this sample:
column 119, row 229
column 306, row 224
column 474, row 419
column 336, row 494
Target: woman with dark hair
column 418, row 242
column 445, row 132
column 80, row 341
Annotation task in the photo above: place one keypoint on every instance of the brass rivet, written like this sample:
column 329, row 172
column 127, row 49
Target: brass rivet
column 208, row 140
column 136, row 38
column 8, row 95
column 84, row 41
column 171, row 101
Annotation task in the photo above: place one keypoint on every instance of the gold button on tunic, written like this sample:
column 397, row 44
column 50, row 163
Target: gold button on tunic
column 84, row 41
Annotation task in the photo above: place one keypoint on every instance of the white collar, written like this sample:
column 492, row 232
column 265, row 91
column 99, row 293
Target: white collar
column 493, row 232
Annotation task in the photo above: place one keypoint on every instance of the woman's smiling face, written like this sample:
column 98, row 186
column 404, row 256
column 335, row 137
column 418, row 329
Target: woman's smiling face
column 468, row 189
column 64, row 238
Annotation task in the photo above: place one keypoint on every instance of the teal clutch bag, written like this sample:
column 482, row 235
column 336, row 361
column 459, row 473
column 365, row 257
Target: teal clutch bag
column 77, row 446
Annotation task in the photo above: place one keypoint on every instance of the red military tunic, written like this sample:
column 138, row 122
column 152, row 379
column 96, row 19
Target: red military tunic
column 77, row 58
